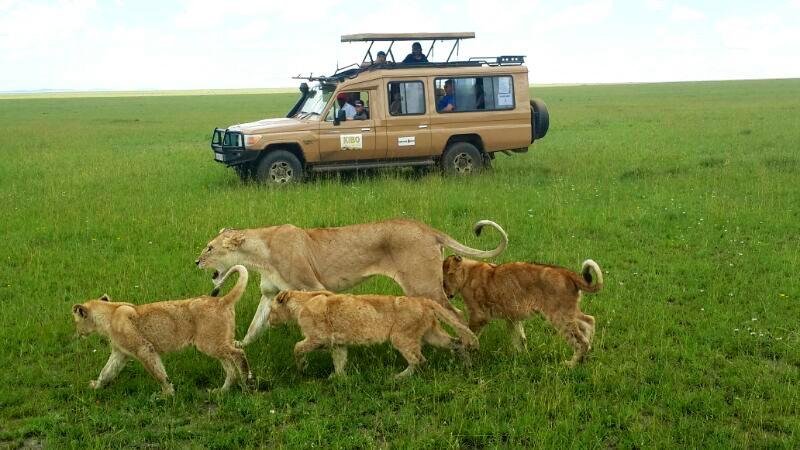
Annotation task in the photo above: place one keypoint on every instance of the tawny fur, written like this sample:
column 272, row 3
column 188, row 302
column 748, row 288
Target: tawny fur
column 515, row 291
column 144, row 332
column 336, row 321
column 335, row 259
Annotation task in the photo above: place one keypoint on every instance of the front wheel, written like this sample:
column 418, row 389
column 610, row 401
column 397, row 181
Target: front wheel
column 462, row 158
column 279, row 167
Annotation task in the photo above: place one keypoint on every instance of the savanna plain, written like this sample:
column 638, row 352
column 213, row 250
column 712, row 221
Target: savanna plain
column 686, row 194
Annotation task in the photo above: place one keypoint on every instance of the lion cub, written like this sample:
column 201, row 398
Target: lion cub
column 145, row 331
column 338, row 320
column 514, row 291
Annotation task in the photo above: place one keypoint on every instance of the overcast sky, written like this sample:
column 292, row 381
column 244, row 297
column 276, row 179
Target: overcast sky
column 202, row 44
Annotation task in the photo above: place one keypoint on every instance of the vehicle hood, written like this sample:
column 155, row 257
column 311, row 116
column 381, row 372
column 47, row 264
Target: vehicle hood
column 271, row 126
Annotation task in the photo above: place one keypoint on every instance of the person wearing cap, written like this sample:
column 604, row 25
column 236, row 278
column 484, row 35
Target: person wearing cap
column 361, row 112
column 346, row 110
column 416, row 56
column 379, row 59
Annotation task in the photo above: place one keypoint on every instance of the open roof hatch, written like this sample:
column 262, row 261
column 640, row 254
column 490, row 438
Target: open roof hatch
column 372, row 38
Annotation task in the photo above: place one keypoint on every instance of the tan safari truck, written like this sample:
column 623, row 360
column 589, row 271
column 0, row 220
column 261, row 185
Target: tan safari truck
column 453, row 114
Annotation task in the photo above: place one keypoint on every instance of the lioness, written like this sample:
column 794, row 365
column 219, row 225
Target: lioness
column 334, row 259
column 514, row 291
column 338, row 320
column 145, row 331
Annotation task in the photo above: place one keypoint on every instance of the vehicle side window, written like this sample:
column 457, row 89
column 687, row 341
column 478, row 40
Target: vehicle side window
column 474, row 93
column 346, row 106
column 406, row 98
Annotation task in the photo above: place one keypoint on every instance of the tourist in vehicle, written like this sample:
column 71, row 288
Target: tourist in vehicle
column 346, row 110
column 416, row 56
column 379, row 59
column 448, row 102
column 361, row 112
column 395, row 107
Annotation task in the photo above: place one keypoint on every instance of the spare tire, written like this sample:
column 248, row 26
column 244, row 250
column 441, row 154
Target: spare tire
column 540, row 119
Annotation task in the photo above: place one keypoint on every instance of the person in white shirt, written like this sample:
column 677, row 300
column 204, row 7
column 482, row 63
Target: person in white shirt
column 345, row 107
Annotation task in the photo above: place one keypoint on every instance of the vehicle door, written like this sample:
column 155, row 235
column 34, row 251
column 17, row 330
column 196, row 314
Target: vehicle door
column 350, row 139
column 408, row 131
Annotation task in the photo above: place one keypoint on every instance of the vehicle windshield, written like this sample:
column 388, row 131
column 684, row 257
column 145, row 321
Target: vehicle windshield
column 316, row 100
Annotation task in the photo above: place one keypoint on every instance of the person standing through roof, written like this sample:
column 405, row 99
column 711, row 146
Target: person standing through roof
column 448, row 102
column 346, row 110
column 380, row 59
column 416, row 56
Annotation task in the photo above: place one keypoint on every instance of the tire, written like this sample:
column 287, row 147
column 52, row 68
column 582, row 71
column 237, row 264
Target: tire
column 279, row 167
column 540, row 119
column 462, row 158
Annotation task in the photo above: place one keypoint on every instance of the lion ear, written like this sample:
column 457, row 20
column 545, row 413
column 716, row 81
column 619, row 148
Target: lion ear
column 458, row 258
column 105, row 298
column 233, row 241
column 222, row 230
column 80, row 311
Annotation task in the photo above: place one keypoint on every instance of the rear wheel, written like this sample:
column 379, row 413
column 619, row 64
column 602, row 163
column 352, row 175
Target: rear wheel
column 279, row 167
column 462, row 158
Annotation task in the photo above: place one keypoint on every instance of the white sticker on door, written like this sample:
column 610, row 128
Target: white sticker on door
column 351, row 142
column 406, row 141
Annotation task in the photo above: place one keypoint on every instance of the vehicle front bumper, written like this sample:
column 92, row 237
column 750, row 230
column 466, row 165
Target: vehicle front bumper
column 228, row 147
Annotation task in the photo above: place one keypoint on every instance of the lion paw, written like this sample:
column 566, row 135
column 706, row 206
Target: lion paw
column 94, row 384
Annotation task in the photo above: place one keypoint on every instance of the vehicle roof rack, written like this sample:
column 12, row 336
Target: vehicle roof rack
column 372, row 38
column 352, row 72
column 505, row 60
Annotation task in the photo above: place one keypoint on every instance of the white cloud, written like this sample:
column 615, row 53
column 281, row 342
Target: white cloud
column 682, row 13
column 760, row 33
column 656, row 5
column 582, row 14
column 35, row 25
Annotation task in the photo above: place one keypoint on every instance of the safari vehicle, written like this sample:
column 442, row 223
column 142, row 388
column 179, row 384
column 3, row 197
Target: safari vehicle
column 403, row 121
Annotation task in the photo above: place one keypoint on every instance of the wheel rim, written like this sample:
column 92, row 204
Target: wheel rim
column 462, row 163
column 281, row 172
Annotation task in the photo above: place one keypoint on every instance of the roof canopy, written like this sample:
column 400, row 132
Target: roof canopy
column 374, row 37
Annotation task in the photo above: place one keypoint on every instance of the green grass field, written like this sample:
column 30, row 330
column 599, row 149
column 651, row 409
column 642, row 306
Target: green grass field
column 687, row 195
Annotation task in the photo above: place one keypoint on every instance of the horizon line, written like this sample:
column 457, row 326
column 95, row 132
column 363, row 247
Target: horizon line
column 79, row 93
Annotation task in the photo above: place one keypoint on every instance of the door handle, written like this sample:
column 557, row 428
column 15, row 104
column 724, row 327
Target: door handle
column 365, row 129
column 423, row 126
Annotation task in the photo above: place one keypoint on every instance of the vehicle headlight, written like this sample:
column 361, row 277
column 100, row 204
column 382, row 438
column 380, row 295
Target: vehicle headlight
column 251, row 139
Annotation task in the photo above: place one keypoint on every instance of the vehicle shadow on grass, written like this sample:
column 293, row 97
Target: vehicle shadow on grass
column 361, row 175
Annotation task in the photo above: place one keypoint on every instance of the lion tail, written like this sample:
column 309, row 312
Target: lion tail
column 467, row 337
column 472, row 252
column 586, row 282
column 238, row 289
